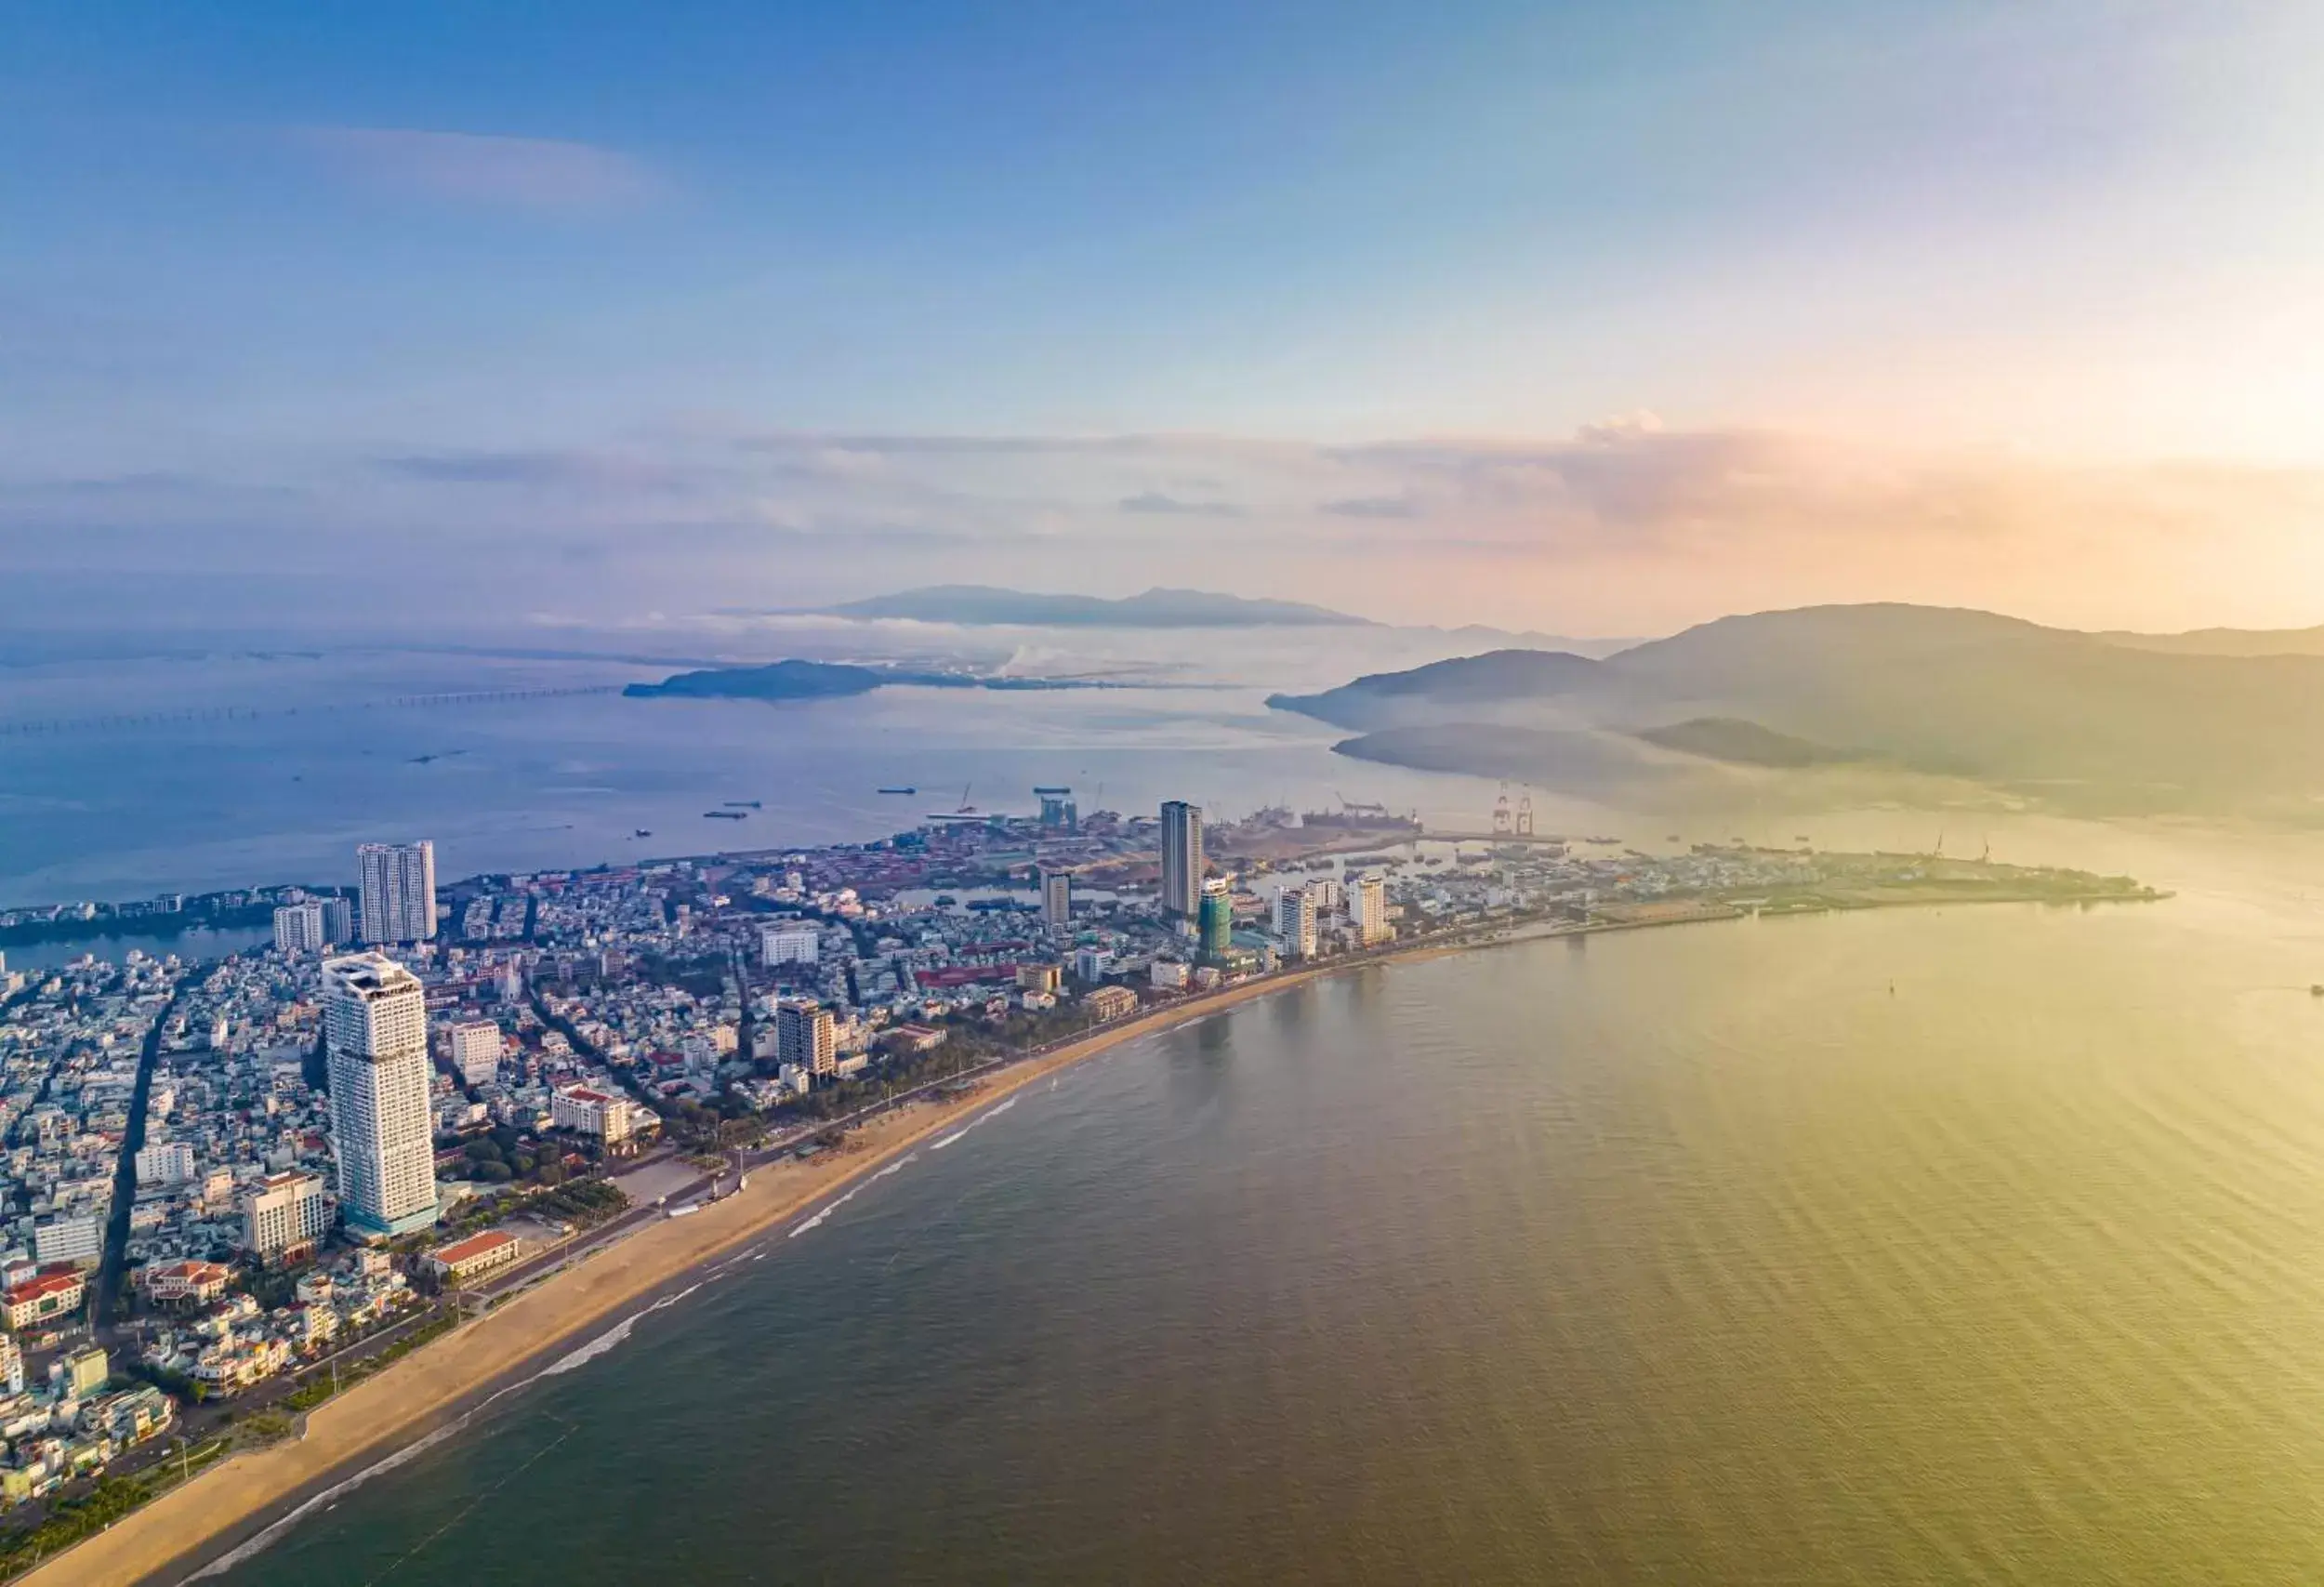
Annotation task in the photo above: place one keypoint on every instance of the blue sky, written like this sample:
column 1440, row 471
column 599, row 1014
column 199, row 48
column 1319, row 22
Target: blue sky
column 609, row 282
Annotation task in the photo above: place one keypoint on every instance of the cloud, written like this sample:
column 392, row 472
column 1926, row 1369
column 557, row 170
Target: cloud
column 1618, row 526
column 1133, row 444
column 1154, row 501
column 540, row 469
column 1620, row 427
column 531, row 173
column 1372, row 506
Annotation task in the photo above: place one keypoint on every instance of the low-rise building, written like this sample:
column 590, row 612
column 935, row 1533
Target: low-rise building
column 1110, row 1002
column 185, row 1283
column 45, row 1298
column 164, row 1162
column 464, row 1261
column 588, row 1111
column 79, row 1240
column 789, row 945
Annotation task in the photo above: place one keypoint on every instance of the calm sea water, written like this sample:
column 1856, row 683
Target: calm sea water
column 321, row 760
column 1918, row 1248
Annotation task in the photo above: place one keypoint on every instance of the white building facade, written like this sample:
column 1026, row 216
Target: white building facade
column 375, row 1031
column 298, row 927
column 475, row 1051
column 399, row 891
column 789, row 945
column 284, row 1211
column 590, row 1111
column 1294, row 922
column 164, row 1162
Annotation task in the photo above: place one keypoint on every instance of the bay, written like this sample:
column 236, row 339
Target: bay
column 1957, row 1245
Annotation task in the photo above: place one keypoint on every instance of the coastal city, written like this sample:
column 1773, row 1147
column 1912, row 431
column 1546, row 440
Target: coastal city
column 235, row 1187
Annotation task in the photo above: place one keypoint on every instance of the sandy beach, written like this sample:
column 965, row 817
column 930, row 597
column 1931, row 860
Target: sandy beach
column 220, row 1509
column 226, row 1505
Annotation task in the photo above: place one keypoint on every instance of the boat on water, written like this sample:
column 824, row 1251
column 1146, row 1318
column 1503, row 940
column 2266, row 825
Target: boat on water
column 744, row 804
column 2316, row 988
column 726, row 816
column 899, row 790
column 641, row 832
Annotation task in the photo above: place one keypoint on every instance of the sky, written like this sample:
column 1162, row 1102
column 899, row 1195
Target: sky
column 1594, row 319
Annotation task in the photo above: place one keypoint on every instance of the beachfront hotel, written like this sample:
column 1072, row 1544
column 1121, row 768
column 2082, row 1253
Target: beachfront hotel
column 375, row 1030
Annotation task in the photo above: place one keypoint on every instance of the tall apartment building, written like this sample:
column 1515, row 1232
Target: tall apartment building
column 475, row 1051
column 1217, row 918
column 805, row 1034
column 338, row 921
column 285, row 1212
column 1294, row 922
column 399, row 891
column 374, row 1032
column 1057, row 899
column 1181, row 859
column 1368, row 908
column 298, row 927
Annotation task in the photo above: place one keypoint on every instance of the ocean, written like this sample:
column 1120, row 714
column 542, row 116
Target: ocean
column 150, row 786
column 1918, row 1247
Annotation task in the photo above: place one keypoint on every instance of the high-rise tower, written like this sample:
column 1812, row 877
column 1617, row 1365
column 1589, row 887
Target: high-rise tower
column 399, row 891
column 1181, row 859
column 375, row 1033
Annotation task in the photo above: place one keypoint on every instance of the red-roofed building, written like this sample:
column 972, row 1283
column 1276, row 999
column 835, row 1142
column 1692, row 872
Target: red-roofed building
column 591, row 1112
column 475, row 1256
column 39, row 1300
column 185, row 1283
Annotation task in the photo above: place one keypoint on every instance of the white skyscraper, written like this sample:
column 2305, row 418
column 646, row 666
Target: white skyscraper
column 1294, row 922
column 399, row 891
column 374, row 1030
column 298, row 927
column 1181, row 859
column 1368, row 908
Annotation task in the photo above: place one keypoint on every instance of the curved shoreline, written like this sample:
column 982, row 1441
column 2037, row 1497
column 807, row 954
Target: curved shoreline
column 191, row 1527
column 187, row 1531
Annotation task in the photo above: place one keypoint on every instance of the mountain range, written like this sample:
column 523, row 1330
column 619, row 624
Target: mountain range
column 2079, row 721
